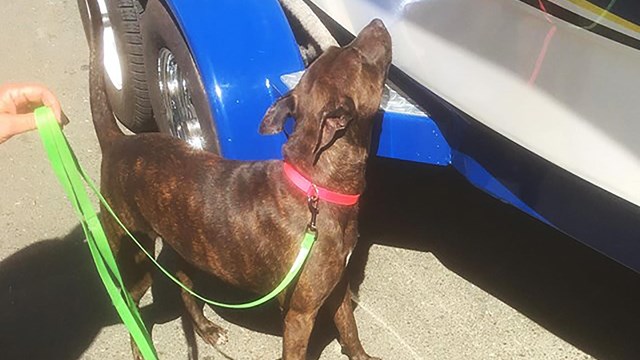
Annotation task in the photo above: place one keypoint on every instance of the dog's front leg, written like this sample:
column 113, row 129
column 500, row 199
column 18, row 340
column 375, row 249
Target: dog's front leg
column 297, row 330
column 346, row 324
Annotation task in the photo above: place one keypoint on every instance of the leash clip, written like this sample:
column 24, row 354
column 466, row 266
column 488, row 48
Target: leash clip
column 312, row 202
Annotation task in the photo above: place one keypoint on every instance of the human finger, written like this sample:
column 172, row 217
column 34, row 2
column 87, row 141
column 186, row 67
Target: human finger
column 24, row 98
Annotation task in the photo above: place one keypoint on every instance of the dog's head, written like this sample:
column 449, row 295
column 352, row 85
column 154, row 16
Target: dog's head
column 336, row 99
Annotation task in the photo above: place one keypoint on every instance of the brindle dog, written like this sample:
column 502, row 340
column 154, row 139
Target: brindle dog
column 242, row 222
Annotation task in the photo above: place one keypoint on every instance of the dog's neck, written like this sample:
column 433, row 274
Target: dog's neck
column 340, row 167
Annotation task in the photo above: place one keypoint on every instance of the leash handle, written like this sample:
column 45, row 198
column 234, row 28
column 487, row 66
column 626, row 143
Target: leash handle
column 71, row 175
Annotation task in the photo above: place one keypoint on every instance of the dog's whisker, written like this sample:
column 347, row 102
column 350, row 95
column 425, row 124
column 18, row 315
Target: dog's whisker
column 387, row 327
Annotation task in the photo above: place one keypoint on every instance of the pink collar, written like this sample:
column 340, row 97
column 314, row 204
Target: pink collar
column 311, row 189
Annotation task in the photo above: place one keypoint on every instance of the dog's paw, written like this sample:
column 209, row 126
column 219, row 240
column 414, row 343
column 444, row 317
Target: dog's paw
column 213, row 334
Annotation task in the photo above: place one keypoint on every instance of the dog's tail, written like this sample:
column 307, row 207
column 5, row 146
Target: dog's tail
column 104, row 121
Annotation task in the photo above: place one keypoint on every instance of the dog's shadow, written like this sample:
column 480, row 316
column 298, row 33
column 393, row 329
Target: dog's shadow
column 52, row 303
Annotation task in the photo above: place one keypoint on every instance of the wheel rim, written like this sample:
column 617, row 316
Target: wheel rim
column 180, row 112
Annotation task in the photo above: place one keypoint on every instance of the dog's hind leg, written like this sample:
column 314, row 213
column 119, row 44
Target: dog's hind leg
column 133, row 264
column 208, row 331
column 136, row 269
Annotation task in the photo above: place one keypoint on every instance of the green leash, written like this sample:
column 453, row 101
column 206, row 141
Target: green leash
column 73, row 177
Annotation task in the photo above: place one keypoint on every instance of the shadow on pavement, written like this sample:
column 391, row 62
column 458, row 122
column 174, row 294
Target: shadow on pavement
column 571, row 290
column 52, row 304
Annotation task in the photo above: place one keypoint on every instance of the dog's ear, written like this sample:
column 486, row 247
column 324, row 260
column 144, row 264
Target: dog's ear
column 332, row 122
column 274, row 118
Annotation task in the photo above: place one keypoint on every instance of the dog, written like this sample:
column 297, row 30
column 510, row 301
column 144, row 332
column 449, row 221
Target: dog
column 243, row 222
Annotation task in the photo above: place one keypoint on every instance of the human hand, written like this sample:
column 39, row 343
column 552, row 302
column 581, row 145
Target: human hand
column 17, row 102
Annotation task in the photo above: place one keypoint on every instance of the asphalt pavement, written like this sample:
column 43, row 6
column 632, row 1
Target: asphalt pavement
column 442, row 271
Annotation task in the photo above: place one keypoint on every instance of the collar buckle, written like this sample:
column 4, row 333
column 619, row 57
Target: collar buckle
column 312, row 202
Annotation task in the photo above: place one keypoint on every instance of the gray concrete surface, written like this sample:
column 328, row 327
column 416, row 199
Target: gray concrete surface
column 443, row 271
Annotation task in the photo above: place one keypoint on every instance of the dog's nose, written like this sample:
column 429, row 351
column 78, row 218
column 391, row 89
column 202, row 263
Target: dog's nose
column 376, row 32
column 377, row 23
column 374, row 42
